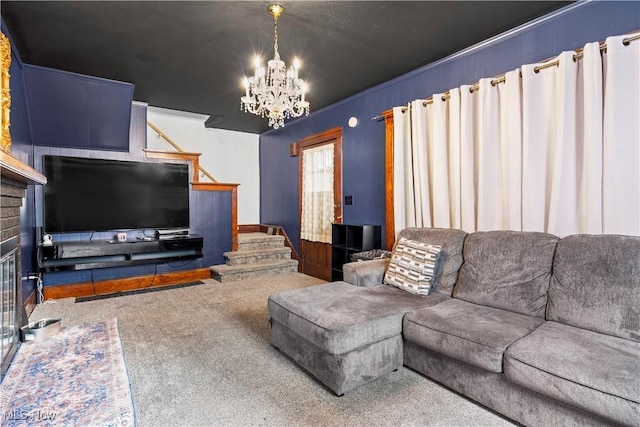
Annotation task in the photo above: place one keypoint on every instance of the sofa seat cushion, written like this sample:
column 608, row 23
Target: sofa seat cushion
column 596, row 372
column 338, row 317
column 472, row 333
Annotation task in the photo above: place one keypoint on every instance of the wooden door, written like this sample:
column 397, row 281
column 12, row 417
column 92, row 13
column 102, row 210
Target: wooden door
column 315, row 257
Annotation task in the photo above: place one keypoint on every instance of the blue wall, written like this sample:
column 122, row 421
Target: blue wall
column 210, row 211
column 363, row 147
column 77, row 111
column 210, row 215
column 22, row 149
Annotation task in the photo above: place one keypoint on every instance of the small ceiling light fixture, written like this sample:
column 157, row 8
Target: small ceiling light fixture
column 276, row 93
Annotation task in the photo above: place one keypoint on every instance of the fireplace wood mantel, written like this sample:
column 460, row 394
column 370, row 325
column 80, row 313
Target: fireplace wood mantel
column 10, row 167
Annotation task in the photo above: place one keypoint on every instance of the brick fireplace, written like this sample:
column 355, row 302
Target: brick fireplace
column 14, row 179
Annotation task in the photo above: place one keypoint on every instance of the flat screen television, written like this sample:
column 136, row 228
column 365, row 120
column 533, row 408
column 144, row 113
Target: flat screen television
column 83, row 195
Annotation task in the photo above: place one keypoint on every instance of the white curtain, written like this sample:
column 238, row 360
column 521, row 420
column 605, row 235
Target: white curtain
column 411, row 184
column 460, row 160
column 534, row 151
column 511, row 152
column 621, row 148
column 317, row 193
column 563, row 119
column 402, row 202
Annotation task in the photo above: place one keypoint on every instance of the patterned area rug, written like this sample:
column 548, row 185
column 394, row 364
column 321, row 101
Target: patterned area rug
column 77, row 377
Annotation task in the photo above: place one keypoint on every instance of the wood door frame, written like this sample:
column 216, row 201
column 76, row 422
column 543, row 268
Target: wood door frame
column 333, row 135
column 330, row 136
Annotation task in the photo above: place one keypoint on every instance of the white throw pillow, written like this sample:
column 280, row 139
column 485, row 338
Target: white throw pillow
column 413, row 266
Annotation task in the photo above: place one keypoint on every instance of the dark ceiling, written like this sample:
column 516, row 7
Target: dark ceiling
column 191, row 55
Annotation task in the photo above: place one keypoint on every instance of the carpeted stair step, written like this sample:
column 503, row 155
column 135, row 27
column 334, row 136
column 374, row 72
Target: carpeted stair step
column 249, row 241
column 250, row 256
column 229, row 273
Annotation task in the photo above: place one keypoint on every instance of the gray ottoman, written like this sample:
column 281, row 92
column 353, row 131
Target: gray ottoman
column 342, row 334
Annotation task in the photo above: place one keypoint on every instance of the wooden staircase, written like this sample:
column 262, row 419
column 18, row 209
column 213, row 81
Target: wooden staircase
column 258, row 254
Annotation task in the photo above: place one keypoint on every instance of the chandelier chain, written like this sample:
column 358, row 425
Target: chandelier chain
column 275, row 36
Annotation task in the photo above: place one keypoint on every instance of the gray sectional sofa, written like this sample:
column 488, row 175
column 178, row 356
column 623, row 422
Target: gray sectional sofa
column 545, row 331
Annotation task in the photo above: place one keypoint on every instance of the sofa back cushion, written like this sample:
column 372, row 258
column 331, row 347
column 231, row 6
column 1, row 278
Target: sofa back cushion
column 508, row 270
column 450, row 258
column 596, row 284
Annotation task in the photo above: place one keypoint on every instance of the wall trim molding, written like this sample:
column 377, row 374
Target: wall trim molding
column 466, row 51
column 194, row 158
column 127, row 284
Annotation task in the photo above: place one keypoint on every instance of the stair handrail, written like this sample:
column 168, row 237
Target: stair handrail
column 179, row 149
column 279, row 230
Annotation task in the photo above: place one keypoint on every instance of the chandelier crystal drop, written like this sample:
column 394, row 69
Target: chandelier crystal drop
column 275, row 92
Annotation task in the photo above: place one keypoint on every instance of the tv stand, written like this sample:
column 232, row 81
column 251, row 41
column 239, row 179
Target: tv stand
column 83, row 255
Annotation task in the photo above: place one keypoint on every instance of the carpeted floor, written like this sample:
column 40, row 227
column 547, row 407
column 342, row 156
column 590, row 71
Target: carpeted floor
column 200, row 355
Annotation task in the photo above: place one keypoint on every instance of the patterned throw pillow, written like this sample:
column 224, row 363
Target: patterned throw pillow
column 412, row 266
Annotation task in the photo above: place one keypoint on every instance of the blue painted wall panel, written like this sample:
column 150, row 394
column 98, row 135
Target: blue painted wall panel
column 72, row 110
column 363, row 156
column 138, row 119
column 217, row 239
column 210, row 216
column 210, row 212
column 211, row 219
column 22, row 149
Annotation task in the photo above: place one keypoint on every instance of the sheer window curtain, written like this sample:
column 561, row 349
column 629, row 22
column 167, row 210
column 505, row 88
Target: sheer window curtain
column 548, row 148
column 317, row 193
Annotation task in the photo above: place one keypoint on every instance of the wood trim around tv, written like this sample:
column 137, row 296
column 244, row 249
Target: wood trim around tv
column 123, row 285
column 194, row 158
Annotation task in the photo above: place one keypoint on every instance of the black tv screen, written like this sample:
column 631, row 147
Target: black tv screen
column 100, row 195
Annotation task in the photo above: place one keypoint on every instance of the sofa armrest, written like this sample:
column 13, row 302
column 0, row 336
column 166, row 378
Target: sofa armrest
column 365, row 273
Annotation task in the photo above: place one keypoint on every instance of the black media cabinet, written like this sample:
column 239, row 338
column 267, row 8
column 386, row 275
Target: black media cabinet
column 83, row 255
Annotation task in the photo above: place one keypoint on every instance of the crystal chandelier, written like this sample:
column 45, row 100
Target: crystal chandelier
column 276, row 93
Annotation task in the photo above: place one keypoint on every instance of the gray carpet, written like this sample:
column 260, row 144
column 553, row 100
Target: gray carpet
column 200, row 355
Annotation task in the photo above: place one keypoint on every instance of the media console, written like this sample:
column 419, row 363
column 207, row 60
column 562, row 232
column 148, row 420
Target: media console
column 83, row 255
